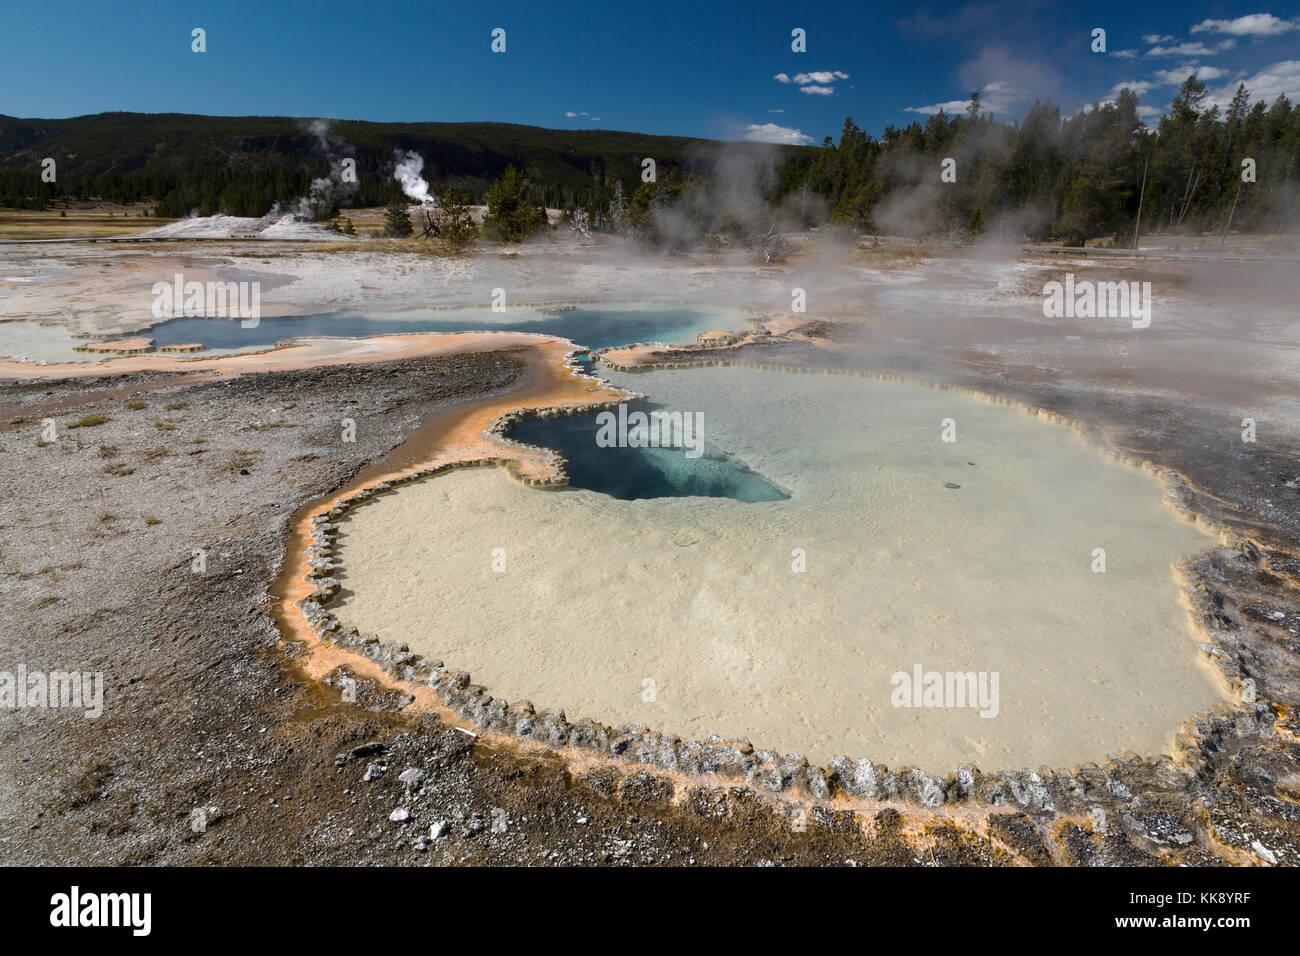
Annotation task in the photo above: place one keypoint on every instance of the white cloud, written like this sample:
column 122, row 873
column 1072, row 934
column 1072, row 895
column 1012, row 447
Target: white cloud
column 817, row 82
column 1140, row 87
column 771, row 133
column 952, row 106
column 1178, row 74
column 1171, row 77
column 776, row 111
column 570, row 114
column 995, row 97
column 1124, row 54
column 1152, row 38
column 1143, row 112
column 820, row 76
column 1001, row 75
column 1267, row 85
column 1182, row 49
column 1252, row 25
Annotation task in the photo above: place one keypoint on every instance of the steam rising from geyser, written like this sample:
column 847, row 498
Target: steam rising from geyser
column 409, row 166
column 327, row 192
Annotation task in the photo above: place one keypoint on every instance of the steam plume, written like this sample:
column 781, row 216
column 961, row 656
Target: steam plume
column 409, row 166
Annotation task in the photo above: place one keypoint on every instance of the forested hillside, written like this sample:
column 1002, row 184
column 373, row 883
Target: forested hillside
column 242, row 165
column 1073, row 177
column 1077, row 177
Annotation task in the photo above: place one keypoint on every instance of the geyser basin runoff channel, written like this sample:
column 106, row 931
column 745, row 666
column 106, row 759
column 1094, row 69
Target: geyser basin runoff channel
column 699, row 595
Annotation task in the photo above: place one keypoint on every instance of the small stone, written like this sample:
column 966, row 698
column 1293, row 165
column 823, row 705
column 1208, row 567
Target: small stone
column 438, row 829
column 951, row 484
column 400, row 815
column 1264, row 853
column 412, row 777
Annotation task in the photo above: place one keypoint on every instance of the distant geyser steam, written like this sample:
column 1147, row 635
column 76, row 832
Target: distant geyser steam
column 409, row 166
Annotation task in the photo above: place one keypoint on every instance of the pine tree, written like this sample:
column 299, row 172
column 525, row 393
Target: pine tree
column 397, row 219
column 510, row 217
column 456, row 225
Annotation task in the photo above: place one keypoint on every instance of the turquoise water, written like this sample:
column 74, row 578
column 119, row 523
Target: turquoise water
column 591, row 327
column 632, row 473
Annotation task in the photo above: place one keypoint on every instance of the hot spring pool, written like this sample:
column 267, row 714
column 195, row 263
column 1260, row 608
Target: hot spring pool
column 589, row 326
column 789, row 620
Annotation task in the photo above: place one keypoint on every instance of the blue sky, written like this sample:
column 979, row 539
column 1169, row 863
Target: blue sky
column 720, row 70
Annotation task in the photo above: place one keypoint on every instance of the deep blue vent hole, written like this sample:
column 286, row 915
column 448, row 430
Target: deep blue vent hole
column 629, row 473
